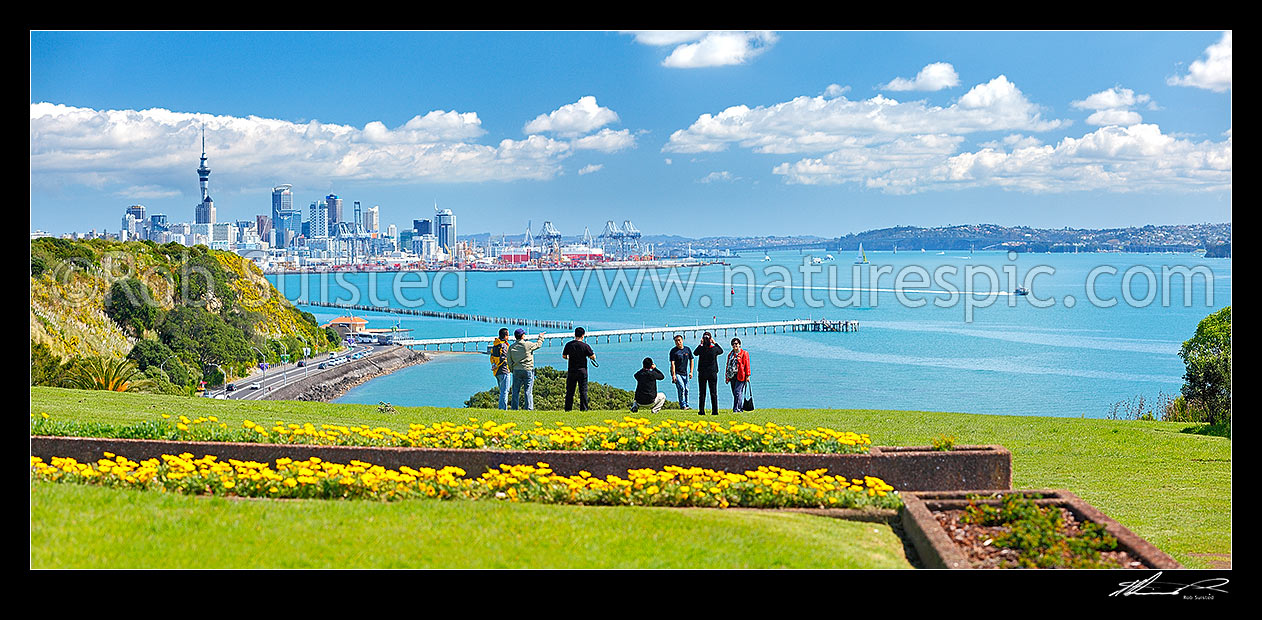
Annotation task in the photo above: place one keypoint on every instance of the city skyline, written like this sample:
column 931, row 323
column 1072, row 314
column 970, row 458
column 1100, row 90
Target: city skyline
column 685, row 133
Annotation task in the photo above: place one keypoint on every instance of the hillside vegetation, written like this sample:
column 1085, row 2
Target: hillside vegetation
column 177, row 314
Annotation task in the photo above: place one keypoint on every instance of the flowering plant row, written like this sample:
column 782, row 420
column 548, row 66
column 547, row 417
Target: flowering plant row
column 766, row 487
column 626, row 434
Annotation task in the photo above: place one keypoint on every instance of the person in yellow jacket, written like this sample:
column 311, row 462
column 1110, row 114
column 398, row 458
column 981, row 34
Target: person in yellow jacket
column 499, row 364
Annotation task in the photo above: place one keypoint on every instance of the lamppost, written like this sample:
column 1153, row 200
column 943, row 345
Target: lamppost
column 263, row 366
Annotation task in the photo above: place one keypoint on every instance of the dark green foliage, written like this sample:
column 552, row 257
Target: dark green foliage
column 1207, row 356
column 201, row 278
column 549, row 392
column 49, row 252
column 130, row 303
column 1038, row 533
column 46, row 368
column 211, row 339
column 153, row 354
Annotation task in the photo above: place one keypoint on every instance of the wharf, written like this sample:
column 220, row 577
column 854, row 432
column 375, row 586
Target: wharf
column 667, row 332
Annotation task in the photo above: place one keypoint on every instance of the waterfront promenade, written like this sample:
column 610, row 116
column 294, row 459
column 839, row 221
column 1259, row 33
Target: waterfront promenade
column 665, row 332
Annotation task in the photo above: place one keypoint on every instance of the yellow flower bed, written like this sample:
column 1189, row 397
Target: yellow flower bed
column 766, row 487
column 626, row 434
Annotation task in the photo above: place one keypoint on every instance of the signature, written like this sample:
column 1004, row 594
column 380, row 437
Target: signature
column 1152, row 586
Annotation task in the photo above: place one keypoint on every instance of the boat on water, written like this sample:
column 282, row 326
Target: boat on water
column 862, row 258
column 828, row 257
column 766, row 257
column 815, row 260
column 1021, row 290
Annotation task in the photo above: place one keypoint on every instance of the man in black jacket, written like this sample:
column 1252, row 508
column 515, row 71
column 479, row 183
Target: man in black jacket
column 708, row 372
column 646, row 394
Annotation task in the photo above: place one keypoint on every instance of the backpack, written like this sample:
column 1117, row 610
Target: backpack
column 499, row 356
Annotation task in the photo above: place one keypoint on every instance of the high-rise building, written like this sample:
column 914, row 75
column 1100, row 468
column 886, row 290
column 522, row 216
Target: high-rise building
column 158, row 227
column 392, row 232
column 128, row 230
column 445, row 229
column 137, row 211
column 319, row 219
column 335, row 209
column 423, row 227
column 205, row 211
column 372, row 219
column 263, row 226
column 286, row 220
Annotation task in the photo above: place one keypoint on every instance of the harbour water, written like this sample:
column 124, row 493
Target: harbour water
column 925, row 349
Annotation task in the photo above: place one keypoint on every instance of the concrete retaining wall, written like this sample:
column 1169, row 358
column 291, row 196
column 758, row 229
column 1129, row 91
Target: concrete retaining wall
column 906, row 469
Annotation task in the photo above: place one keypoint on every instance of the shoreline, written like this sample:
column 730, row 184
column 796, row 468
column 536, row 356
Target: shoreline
column 336, row 383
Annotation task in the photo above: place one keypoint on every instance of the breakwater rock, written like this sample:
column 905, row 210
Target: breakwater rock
column 336, row 381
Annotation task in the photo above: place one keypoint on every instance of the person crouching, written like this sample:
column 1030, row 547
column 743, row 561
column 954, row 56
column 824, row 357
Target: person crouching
column 646, row 394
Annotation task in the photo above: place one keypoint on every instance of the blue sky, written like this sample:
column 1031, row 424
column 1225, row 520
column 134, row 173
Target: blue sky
column 689, row 133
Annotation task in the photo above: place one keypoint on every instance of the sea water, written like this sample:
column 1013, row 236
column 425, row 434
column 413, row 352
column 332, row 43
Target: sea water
column 1111, row 333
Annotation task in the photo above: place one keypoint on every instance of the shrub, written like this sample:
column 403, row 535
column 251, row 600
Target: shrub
column 1207, row 355
column 549, row 390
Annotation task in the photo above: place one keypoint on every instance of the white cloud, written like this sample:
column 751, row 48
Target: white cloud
column 152, row 149
column 1213, row 72
column 1113, row 98
column 835, row 90
column 935, row 76
column 606, row 141
column 717, row 49
column 666, row 37
column 147, row 191
column 1113, row 106
column 573, row 119
column 721, row 176
column 1135, row 158
column 1115, row 117
column 819, row 124
column 590, row 168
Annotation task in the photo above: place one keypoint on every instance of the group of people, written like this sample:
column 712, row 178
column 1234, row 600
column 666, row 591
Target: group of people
column 514, row 361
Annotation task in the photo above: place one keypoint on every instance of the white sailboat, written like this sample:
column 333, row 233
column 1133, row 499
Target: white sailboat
column 861, row 259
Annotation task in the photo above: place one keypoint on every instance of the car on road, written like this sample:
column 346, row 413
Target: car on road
column 230, row 387
column 322, row 366
column 254, row 386
column 302, row 363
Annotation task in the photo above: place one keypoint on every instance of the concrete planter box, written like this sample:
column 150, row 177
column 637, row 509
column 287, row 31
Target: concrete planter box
column 906, row 469
column 937, row 550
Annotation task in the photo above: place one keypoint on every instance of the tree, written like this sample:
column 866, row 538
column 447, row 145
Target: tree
column 130, row 303
column 1207, row 356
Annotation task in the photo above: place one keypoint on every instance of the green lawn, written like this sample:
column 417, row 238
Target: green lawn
column 1172, row 488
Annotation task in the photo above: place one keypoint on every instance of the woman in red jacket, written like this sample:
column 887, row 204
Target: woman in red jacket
column 737, row 374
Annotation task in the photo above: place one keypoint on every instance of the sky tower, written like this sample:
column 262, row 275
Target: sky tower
column 205, row 211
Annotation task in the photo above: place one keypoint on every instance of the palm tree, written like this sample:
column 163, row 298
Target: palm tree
column 100, row 373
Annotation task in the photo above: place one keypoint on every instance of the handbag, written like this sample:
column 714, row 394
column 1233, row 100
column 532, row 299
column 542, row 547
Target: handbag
column 749, row 398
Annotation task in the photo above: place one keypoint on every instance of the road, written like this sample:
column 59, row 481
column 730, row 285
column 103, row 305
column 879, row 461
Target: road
column 284, row 374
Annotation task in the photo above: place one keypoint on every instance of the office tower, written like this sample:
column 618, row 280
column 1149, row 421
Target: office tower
column 205, row 211
column 335, row 210
column 372, row 219
column 319, row 219
column 128, row 230
column 423, row 227
column 392, row 232
column 157, row 227
column 445, row 229
column 282, row 199
column 137, row 212
column 263, row 226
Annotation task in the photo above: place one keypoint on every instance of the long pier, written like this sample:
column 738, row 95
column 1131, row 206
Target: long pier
column 479, row 343
column 456, row 316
